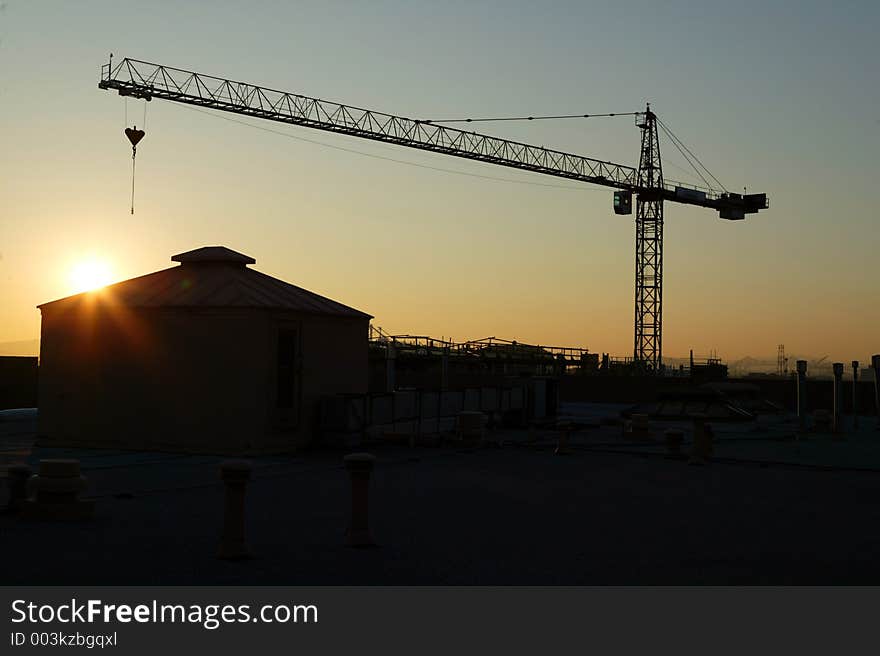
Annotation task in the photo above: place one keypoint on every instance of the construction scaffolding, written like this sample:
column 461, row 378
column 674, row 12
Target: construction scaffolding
column 414, row 360
column 548, row 359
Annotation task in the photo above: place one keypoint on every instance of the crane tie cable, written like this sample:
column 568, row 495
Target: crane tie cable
column 676, row 141
column 383, row 157
column 525, row 118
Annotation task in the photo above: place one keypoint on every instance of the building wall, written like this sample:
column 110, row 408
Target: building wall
column 194, row 380
column 335, row 361
column 152, row 379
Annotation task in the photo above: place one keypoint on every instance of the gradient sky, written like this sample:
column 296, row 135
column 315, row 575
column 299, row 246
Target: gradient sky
column 781, row 97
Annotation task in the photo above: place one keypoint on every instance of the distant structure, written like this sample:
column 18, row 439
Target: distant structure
column 398, row 361
column 781, row 361
column 708, row 369
column 420, row 361
column 209, row 356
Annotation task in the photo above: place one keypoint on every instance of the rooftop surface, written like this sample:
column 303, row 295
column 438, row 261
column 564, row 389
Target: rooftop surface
column 768, row 509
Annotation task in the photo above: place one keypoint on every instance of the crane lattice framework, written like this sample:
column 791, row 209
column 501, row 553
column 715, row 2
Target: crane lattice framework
column 140, row 79
column 648, row 332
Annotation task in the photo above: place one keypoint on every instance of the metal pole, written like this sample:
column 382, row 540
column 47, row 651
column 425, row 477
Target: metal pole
column 235, row 475
column 855, row 394
column 390, row 356
column 360, row 466
column 414, row 437
column 837, row 367
column 444, row 370
column 17, row 476
column 802, row 394
column 875, row 365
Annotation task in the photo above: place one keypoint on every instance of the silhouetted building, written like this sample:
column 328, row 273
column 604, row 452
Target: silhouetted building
column 208, row 356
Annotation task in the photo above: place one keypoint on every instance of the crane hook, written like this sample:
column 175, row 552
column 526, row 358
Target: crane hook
column 134, row 136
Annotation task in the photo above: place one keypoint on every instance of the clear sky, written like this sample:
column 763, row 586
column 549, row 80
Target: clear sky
column 781, row 97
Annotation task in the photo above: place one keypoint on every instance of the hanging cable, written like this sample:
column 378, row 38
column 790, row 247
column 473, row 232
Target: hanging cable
column 686, row 157
column 690, row 152
column 666, row 163
column 389, row 159
column 525, row 118
column 684, row 153
column 672, row 138
column 134, row 136
column 133, row 153
column 666, row 127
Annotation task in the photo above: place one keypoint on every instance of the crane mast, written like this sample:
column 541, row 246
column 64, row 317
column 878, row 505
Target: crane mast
column 140, row 79
column 648, row 335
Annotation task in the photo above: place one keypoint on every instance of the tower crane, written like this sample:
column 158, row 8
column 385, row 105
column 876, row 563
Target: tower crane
column 145, row 80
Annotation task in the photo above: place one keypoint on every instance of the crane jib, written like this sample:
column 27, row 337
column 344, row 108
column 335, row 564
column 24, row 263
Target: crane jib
column 309, row 112
column 138, row 79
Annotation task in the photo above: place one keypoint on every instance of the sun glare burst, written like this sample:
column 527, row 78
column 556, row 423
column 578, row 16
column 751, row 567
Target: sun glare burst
column 90, row 274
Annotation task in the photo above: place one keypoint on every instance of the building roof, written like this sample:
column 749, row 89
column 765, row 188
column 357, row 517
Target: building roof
column 213, row 254
column 214, row 276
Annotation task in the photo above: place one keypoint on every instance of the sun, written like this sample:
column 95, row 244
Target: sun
column 90, row 274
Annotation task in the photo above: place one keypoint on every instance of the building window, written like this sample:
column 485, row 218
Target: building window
column 286, row 369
